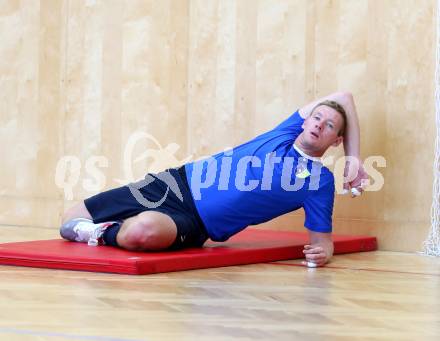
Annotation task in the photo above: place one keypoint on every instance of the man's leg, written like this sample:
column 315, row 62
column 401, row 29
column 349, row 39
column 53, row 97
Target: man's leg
column 147, row 231
column 78, row 211
column 77, row 225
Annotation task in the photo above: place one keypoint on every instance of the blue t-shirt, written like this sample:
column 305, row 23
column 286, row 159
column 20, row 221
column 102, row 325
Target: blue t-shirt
column 260, row 180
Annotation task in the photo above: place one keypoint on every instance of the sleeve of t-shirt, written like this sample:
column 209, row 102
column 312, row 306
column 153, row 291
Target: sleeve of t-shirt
column 318, row 209
column 293, row 123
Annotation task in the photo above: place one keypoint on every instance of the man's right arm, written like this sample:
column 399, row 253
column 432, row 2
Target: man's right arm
column 353, row 168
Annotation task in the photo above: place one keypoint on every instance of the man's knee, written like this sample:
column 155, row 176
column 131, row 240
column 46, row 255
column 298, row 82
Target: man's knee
column 144, row 232
column 66, row 216
column 78, row 211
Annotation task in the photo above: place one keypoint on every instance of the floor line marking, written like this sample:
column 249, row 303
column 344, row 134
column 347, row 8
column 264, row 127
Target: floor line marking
column 358, row 269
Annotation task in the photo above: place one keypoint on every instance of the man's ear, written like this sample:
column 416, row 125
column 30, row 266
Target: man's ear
column 338, row 141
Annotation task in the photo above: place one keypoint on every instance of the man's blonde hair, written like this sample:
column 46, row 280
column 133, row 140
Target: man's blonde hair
column 339, row 108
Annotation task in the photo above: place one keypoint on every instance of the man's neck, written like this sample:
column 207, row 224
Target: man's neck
column 304, row 153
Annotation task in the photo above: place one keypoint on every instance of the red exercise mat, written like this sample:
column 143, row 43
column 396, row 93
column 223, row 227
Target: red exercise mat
column 249, row 246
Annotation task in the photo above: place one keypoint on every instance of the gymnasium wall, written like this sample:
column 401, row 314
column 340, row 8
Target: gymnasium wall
column 94, row 93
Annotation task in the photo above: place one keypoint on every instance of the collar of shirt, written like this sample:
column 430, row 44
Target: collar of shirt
column 306, row 156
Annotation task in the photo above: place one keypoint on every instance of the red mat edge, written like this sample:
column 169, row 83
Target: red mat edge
column 205, row 261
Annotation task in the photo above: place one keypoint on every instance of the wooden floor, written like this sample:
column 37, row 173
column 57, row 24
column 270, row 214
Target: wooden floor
column 364, row 296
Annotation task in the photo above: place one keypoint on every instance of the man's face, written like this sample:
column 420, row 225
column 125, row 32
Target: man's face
column 321, row 130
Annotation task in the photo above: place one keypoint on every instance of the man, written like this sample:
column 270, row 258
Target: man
column 216, row 197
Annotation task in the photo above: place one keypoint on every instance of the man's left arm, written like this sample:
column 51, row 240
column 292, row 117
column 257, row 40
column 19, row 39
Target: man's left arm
column 320, row 249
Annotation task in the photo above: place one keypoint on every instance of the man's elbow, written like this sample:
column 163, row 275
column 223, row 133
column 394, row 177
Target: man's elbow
column 345, row 97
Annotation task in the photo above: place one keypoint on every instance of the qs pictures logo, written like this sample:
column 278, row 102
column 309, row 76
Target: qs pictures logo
column 71, row 173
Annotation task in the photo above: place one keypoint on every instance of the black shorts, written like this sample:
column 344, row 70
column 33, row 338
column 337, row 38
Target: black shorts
column 166, row 192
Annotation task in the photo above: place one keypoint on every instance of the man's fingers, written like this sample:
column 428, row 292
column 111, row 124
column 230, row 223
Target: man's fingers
column 315, row 257
column 309, row 247
column 365, row 182
column 314, row 250
column 356, row 179
column 314, row 254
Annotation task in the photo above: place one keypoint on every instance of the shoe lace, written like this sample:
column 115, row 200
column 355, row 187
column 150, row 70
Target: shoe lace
column 94, row 236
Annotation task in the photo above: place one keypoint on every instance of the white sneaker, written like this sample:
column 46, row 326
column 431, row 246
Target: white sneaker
column 84, row 231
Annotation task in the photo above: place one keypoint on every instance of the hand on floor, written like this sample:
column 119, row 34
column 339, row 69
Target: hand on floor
column 316, row 254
